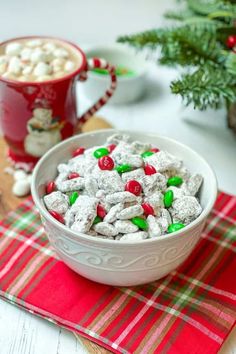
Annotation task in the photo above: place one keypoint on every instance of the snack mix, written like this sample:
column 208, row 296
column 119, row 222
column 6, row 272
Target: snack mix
column 124, row 190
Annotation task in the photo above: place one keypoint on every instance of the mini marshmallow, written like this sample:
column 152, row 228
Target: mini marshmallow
column 13, row 48
column 60, row 53
column 69, row 66
column 49, row 46
column 42, row 69
column 37, row 56
column 19, row 174
column 21, row 188
column 25, row 54
column 34, row 43
column 27, row 70
column 14, row 66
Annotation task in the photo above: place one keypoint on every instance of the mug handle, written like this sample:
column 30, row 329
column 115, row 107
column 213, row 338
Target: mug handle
column 97, row 63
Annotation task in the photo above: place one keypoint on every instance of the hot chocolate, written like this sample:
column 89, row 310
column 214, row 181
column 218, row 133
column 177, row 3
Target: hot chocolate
column 38, row 59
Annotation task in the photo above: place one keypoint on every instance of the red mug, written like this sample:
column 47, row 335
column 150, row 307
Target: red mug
column 34, row 116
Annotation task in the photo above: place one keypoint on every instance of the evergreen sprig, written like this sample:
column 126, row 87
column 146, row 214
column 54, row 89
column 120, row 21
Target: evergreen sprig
column 197, row 40
column 206, row 87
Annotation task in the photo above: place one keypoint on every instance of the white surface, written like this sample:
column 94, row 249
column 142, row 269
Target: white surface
column 101, row 21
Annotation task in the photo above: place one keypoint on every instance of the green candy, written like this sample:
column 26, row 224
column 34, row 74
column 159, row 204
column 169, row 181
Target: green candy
column 141, row 223
column 123, row 168
column 168, row 198
column 174, row 181
column 175, row 227
column 100, row 153
column 73, row 197
column 97, row 220
column 147, row 153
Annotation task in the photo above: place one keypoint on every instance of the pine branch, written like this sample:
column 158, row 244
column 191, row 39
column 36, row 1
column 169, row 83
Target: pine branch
column 186, row 45
column 206, row 87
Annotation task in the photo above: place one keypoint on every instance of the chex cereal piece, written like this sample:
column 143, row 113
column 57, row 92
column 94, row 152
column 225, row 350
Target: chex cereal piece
column 56, row 201
column 120, row 197
column 125, row 226
column 139, row 147
column 178, row 192
column 164, row 220
column 112, row 213
column 110, row 181
column 60, row 178
column 69, row 218
column 152, row 183
column 85, row 209
column 155, row 200
column 81, row 165
column 163, row 161
column 193, row 184
column 135, row 236
column 185, row 209
column 62, row 167
column 154, row 228
column 71, row 185
column 130, row 212
column 132, row 175
column 106, row 229
column 116, row 138
column 90, row 185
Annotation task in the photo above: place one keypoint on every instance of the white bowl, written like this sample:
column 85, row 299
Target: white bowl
column 128, row 89
column 116, row 262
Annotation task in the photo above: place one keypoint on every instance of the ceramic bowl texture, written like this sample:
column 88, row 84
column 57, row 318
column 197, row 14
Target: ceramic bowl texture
column 129, row 88
column 122, row 263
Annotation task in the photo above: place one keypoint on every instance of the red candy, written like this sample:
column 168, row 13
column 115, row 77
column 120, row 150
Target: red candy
column 78, row 151
column 73, row 175
column 101, row 212
column 148, row 209
column 133, row 187
column 50, row 187
column 231, row 41
column 154, row 150
column 106, row 163
column 57, row 216
column 111, row 147
column 149, row 170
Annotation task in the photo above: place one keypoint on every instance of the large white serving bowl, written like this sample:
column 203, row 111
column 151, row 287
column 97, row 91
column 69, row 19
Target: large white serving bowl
column 116, row 262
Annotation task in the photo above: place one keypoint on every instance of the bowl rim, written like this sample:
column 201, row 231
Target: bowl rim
column 121, row 49
column 75, row 236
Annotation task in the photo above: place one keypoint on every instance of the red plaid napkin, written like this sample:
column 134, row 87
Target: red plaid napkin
column 192, row 310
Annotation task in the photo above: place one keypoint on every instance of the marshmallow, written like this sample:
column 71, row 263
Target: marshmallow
column 38, row 55
column 42, row 69
column 60, row 53
column 14, row 66
column 13, row 48
column 25, row 54
column 34, row 43
column 69, row 66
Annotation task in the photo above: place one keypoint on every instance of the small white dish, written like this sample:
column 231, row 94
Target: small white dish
column 129, row 88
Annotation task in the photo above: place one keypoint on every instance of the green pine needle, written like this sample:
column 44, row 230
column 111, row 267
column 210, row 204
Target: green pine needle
column 206, row 87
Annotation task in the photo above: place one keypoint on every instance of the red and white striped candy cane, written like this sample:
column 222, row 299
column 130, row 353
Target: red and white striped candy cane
column 101, row 64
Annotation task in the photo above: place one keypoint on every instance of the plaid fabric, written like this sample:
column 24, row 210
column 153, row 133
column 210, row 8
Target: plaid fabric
column 192, row 310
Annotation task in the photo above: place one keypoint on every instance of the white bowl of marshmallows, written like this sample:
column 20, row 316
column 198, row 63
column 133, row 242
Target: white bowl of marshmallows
column 109, row 207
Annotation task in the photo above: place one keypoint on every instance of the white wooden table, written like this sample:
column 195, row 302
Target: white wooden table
column 159, row 111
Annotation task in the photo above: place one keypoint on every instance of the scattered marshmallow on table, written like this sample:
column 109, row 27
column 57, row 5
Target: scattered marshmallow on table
column 137, row 194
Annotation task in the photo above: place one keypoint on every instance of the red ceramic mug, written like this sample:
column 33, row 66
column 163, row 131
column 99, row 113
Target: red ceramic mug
column 34, row 116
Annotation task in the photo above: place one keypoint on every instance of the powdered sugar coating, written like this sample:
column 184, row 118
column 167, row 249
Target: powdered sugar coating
column 108, row 189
